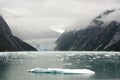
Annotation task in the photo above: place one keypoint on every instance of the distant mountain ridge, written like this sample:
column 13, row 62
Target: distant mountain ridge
column 9, row 42
column 102, row 34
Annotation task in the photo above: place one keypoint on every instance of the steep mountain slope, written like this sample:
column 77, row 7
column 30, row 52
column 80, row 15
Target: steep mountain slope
column 102, row 34
column 9, row 42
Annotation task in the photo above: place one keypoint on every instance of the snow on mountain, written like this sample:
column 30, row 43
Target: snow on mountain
column 106, row 17
column 102, row 34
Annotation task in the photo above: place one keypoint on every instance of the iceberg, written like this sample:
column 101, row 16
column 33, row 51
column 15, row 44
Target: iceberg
column 61, row 71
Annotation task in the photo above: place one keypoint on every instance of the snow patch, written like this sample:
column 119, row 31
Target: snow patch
column 106, row 18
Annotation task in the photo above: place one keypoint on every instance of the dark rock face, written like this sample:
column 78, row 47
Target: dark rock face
column 65, row 41
column 8, row 42
column 98, row 36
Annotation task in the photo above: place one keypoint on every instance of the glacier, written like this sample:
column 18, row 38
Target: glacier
column 43, row 44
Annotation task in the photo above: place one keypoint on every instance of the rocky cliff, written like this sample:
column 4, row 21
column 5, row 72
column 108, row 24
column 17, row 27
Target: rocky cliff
column 9, row 42
column 102, row 34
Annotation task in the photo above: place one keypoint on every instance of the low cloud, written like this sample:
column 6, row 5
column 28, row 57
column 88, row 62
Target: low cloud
column 34, row 17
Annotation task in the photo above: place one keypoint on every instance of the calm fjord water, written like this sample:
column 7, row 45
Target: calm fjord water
column 14, row 66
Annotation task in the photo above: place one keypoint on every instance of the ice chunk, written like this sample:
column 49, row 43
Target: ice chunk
column 61, row 71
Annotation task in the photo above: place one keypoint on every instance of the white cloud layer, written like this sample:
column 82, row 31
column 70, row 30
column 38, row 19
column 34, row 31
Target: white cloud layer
column 35, row 17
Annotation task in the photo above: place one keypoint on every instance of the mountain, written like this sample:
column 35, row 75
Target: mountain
column 102, row 34
column 9, row 42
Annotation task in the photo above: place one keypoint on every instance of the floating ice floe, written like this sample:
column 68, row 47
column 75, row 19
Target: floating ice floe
column 61, row 71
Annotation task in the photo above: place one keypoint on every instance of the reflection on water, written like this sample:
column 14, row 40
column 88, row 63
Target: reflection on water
column 14, row 66
column 3, row 72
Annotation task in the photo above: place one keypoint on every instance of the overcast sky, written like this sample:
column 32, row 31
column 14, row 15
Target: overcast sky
column 31, row 19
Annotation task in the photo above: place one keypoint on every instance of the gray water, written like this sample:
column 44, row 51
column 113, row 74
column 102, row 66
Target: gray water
column 14, row 66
